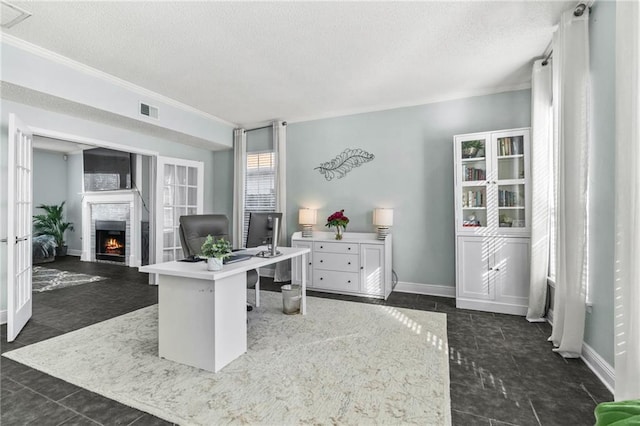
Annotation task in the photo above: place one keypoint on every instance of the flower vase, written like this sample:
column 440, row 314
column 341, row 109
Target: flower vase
column 339, row 232
column 214, row 264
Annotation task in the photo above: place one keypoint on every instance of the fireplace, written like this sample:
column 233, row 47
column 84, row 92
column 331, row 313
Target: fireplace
column 111, row 240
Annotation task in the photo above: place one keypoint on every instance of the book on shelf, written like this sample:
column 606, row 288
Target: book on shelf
column 511, row 146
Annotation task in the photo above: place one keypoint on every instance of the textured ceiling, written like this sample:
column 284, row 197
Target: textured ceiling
column 252, row 62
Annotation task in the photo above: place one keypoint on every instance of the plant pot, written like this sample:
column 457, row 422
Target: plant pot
column 214, row 264
column 61, row 251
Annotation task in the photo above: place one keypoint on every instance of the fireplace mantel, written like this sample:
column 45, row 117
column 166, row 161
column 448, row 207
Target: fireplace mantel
column 127, row 197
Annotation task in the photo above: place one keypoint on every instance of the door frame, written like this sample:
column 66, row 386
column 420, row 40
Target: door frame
column 54, row 134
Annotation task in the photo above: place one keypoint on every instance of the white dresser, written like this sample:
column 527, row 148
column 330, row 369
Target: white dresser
column 359, row 264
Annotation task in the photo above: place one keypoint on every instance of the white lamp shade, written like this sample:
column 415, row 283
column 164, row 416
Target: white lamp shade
column 307, row 217
column 383, row 217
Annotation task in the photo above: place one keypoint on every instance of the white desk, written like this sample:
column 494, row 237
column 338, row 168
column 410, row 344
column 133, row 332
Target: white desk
column 202, row 315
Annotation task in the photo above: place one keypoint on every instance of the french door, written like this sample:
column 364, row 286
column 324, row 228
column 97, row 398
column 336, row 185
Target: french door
column 179, row 192
column 19, row 212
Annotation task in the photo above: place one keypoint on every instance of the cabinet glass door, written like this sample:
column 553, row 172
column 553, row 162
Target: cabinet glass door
column 473, row 175
column 510, row 171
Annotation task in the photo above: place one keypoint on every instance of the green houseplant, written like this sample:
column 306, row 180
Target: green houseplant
column 215, row 251
column 52, row 223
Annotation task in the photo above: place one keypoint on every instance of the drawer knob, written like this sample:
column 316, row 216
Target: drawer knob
column 321, row 246
column 321, row 261
column 309, row 263
column 348, row 263
column 349, row 281
column 321, row 278
column 362, row 267
column 348, row 248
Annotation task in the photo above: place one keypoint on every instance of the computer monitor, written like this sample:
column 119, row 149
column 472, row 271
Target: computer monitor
column 261, row 228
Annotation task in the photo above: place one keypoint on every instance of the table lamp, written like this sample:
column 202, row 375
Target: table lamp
column 383, row 219
column 307, row 218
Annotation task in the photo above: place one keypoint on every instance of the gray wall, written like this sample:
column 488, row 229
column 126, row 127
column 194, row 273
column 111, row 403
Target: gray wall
column 48, row 167
column 412, row 172
column 74, row 200
column 599, row 333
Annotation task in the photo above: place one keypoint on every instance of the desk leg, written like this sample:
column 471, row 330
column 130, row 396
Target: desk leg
column 303, row 285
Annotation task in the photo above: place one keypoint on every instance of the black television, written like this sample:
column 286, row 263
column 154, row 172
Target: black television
column 260, row 232
column 106, row 169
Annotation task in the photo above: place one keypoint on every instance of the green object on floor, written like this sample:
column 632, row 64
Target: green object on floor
column 620, row 413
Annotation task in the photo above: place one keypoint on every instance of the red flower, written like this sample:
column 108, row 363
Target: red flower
column 337, row 219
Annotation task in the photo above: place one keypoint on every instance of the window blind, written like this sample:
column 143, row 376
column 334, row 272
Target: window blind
column 260, row 194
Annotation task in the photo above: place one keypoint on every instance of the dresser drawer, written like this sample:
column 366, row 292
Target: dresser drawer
column 337, row 262
column 324, row 247
column 346, row 281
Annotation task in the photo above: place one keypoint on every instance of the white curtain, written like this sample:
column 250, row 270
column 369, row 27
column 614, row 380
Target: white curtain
column 283, row 269
column 571, row 101
column 627, row 216
column 239, row 176
column 541, row 169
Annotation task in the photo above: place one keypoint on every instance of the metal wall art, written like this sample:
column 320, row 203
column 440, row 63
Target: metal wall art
column 344, row 163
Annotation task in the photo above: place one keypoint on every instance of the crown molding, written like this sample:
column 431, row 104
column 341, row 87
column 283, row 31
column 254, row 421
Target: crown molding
column 78, row 66
column 457, row 96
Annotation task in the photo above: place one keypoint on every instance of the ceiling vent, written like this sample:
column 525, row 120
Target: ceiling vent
column 12, row 14
column 148, row 110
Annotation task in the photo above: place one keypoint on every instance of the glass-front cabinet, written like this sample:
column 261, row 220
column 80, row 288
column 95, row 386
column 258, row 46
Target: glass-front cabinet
column 492, row 182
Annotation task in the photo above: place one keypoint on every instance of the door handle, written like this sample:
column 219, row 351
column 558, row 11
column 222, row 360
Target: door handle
column 21, row 239
column 3, row 240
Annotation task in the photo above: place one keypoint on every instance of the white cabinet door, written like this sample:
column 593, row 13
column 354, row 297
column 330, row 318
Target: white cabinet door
column 511, row 271
column 296, row 277
column 474, row 274
column 372, row 267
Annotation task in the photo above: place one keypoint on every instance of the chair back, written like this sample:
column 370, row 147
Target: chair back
column 195, row 228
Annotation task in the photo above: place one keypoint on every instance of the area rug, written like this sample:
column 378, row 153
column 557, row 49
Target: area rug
column 45, row 279
column 342, row 363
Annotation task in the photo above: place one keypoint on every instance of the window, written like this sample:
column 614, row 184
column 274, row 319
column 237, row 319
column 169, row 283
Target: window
column 260, row 192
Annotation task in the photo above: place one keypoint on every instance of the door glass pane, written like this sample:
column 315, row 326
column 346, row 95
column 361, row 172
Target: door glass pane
column 168, row 217
column 474, row 206
column 168, row 240
column 474, row 163
column 167, row 255
column 181, row 175
column 192, row 210
column 510, row 146
column 181, row 196
column 511, row 168
column 192, row 199
column 169, row 174
column 180, row 211
column 192, row 176
column 167, row 195
column 511, row 206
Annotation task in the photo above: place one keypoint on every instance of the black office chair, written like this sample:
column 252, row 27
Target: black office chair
column 194, row 230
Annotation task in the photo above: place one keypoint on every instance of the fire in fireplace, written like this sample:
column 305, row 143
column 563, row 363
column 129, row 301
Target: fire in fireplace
column 111, row 240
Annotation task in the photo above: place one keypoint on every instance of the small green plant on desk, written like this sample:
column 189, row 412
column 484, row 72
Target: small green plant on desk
column 215, row 251
column 219, row 248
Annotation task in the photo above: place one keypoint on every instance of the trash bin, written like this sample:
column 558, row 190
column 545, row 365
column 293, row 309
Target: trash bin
column 291, row 299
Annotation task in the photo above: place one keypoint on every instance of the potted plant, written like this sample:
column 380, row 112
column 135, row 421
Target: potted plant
column 52, row 223
column 340, row 221
column 472, row 148
column 215, row 251
column 505, row 221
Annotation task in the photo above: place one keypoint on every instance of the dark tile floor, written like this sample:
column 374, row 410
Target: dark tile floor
column 502, row 369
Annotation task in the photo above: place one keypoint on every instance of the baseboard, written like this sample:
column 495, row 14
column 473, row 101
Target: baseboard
column 599, row 366
column 74, row 252
column 426, row 289
column 491, row 306
column 3, row 317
